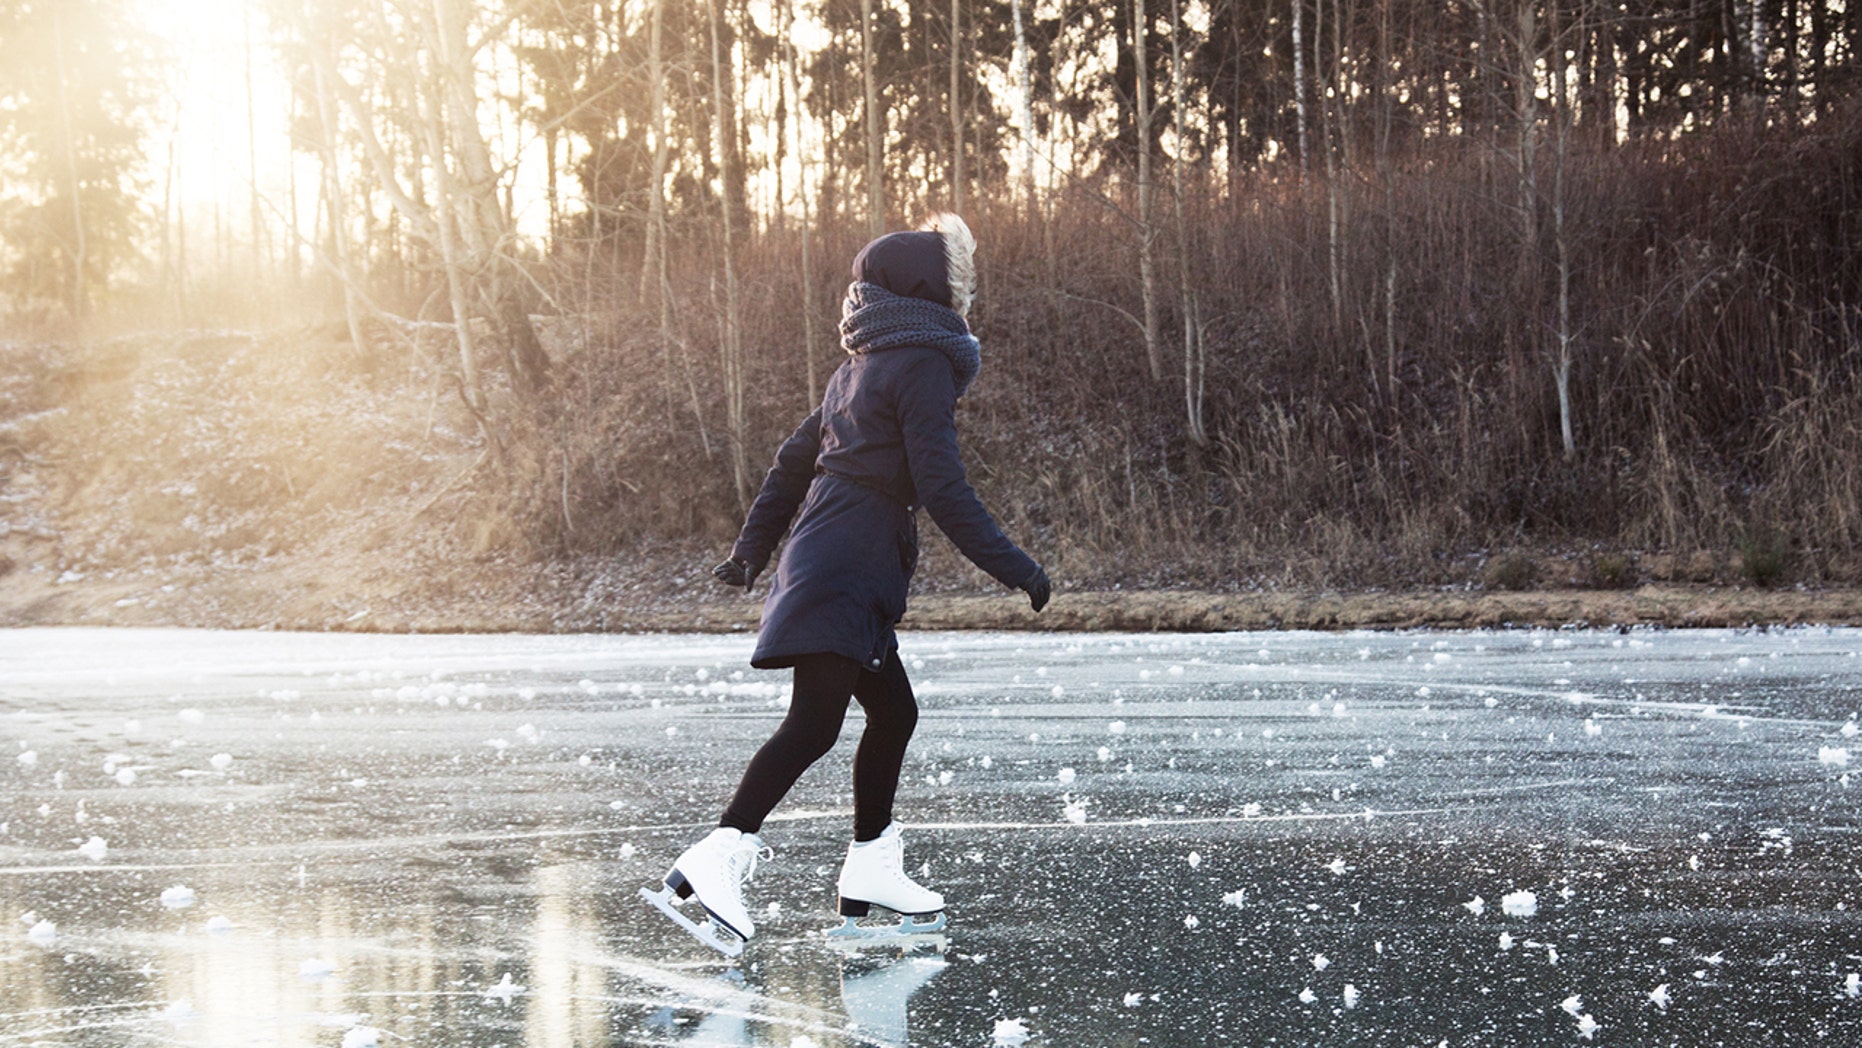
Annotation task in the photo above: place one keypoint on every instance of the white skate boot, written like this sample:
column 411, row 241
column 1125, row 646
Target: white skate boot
column 874, row 875
column 714, row 870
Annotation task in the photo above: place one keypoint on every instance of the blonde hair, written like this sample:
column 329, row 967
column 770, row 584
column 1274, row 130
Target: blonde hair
column 959, row 256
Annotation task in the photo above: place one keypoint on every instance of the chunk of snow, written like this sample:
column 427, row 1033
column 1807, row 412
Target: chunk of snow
column 1075, row 811
column 361, row 1037
column 179, row 897
column 1320, row 962
column 1066, row 776
column 1307, row 996
column 221, row 761
column 1116, row 727
column 1587, row 1027
column 315, row 968
column 29, row 759
column 1476, row 906
column 1010, row 1032
column 1132, row 1000
column 1195, row 859
column 505, row 990
column 1506, row 942
column 219, row 926
column 1337, row 867
column 1234, row 898
column 125, row 776
column 1190, row 922
column 1833, row 755
column 93, row 849
column 44, row 933
column 1572, row 1004
column 191, row 716
column 1853, row 985
column 1350, row 996
column 1519, row 904
column 1659, row 996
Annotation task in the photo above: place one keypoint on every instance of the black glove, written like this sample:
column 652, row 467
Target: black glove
column 1038, row 588
column 735, row 572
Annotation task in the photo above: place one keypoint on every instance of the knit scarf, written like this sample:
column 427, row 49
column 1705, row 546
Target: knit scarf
column 874, row 319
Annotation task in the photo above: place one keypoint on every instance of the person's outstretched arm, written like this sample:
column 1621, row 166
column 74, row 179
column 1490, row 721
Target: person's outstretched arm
column 927, row 413
column 784, row 488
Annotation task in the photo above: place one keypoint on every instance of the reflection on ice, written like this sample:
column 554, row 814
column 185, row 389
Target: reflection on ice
column 1495, row 838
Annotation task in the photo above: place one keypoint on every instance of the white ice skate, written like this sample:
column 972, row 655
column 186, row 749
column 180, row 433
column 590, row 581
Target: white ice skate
column 714, row 870
column 874, row 875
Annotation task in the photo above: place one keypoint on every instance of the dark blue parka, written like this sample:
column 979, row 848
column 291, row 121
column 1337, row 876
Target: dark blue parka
column 883, row 443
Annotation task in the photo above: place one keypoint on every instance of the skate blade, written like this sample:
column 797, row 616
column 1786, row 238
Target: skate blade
column 908, row 929
column 707, row 933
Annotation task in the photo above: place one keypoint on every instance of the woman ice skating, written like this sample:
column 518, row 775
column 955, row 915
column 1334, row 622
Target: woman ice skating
column 851, row 478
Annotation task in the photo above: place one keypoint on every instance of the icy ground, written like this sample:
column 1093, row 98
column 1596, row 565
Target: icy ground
column 1372, row 839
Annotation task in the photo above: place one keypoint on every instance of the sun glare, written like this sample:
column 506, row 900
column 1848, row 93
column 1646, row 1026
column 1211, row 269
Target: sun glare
column 211, row 111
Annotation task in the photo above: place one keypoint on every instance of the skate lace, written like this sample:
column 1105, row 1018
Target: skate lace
column 743, row 860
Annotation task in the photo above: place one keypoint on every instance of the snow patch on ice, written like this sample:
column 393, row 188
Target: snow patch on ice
column 1521, row 903
column 179, row 1012
column 1010, row 1032
column 179, row 897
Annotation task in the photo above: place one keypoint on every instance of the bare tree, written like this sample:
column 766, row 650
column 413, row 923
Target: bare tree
column 791, row 60
column 1299, row 79
column 875, row 129
column 1194, row 363
column 1147, row 226
column 956, row 104
column 1024, row 105
column 731, row 344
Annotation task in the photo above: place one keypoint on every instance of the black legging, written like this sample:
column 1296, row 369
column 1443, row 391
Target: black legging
column 808, row 732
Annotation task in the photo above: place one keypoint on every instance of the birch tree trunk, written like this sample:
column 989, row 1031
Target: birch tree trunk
column 731, row 350
column 486, row 228
column 1024, row 105
column 1299, row 79
column 333, row 206
column 1147, row 228
column 1193, row 368
column 875, row 147
column 80, row 250
column 1562, row 116
column 956, row 107
column 653, row 262
column 792, row 59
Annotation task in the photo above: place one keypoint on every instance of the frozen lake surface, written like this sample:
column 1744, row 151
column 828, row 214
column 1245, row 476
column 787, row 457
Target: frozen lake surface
column 1411, row 839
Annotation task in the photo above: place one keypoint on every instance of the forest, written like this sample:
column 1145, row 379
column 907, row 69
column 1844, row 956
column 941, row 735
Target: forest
column 1273, row 293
